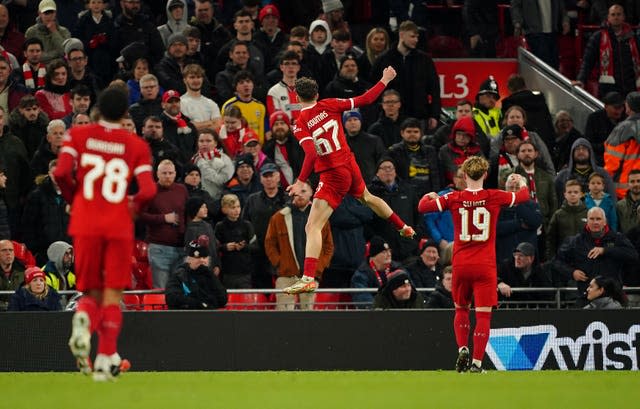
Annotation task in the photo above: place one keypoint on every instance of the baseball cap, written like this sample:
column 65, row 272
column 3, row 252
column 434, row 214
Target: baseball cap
column 47, row 5
column 268, row 168
column 613, row 98
column 175, row 3
column 32, row 273
column 512, row 131
column 170, row 95
column 525, row 248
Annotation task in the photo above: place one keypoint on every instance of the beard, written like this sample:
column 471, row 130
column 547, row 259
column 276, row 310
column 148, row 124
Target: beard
column 527, row 161
column 280, row 134
column 586, row 161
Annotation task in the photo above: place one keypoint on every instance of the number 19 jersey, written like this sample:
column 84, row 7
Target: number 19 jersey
column 105, row 159
column 475, row 216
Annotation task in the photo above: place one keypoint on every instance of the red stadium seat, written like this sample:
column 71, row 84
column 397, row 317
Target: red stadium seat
column 328, row 301
column 247, row 301
column 141, row 272
column 23, row 254
column 154, row 302
column 131, row 302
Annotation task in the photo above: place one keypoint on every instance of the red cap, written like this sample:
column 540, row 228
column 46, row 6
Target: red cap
column 249, row 136
column 32, row 273
column 278, row 116
column 170, row 94
column 268, row 10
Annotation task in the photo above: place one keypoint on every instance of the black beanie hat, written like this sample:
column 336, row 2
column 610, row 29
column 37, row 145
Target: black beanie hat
column 192, row 206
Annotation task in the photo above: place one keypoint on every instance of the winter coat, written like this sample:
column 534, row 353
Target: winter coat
column 431, row 181
column 440, row 298
column 58, row 277
column 196, row 229
column 144, row 108
column 30, row 133
column 172, row 26
column 45, row 218
column 13, row 157
column 561, row 148
column 51, row 41
column 417, row 81
column 511, row 229
column 387, row 129
column 570, row 173
column 258, row 209
column 237, row 264
column 618, row 251
column 365, row 277
column 538, row 115
column 215, row 173
column 279, row 246
column 538, row 277
column 402, row 199
column 565, row 222
column 627, row 213
column 347, row 228
column 422, row 276
column 24, row 300
column 597, row 130
column 545, row 192
column 608, row 204
column 139, row 28
column 544, row 157
column 622, row 152
column 198, row 289
column 385, row 300
column 603, row 303
column 368, row 149
column 97, row 39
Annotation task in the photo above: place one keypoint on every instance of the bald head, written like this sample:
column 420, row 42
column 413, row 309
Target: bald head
column 615, row 17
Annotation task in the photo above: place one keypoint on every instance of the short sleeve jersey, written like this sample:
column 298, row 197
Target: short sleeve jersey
column 322, row 123
column 105, row 160
column 475, row 216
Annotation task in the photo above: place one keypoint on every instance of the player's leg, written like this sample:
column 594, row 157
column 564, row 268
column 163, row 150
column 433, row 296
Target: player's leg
column 318, row 216
column 382, row 209
column 86, row 319
column 486, row 297
column 461, row 291
column 117, row 276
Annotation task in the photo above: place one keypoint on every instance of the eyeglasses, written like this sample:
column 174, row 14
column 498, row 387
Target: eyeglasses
column 391, row 102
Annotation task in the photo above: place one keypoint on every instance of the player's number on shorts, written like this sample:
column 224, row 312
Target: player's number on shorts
column 323, row 146
column 481, row 220
column 114, row 175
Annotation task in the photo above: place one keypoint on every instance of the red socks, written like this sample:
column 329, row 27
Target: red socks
column 481, row 334
column 461, row 326
column 310, row 264
column 109, row 329
column 396, row 221
column 90, row 306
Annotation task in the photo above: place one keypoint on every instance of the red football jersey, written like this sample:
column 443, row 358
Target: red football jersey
column 321, row 123
column 95, row 167
column 475, row 216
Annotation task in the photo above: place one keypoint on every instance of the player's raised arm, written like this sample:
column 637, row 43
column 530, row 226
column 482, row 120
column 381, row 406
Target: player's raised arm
column 374, row 92
column 388, row 75
column 429, row 203
column 522, row 195
column 63, row 173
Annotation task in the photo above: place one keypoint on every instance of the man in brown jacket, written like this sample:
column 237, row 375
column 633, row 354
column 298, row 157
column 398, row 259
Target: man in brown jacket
column 284, row 245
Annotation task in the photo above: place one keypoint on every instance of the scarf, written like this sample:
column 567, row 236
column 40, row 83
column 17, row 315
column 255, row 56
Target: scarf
column 597, row 236
column 382, row 279
column 27, row 74
column 607, row 60
column 183, row 128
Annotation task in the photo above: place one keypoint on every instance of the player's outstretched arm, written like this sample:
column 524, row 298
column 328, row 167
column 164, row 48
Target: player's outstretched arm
column 374, row 92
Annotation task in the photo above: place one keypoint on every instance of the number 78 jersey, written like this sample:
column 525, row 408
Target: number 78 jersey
column 322, row 124
column 475, row 216
column 102, row 160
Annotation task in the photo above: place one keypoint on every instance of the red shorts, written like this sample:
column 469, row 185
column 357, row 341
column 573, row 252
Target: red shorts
column 337, row 182
column 468, row 283
column 102, row 263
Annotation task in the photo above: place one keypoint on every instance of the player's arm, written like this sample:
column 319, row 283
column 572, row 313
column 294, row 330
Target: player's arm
column 374, row 92
column 431, row 202
column 64, row 170
column 306, row 142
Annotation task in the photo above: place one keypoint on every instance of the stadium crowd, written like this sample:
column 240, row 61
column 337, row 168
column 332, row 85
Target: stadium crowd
column 211, row 90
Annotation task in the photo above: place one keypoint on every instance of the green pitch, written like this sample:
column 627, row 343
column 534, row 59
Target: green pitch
column 323, row 390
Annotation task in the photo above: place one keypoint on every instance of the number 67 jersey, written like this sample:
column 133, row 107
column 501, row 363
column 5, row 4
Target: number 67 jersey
column 95, row 167
column 475, row 216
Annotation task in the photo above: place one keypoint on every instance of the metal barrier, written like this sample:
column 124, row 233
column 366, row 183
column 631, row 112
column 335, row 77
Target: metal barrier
column 559, row 298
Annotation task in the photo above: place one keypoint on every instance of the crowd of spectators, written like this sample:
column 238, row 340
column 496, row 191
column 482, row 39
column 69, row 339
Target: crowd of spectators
column 211, row 88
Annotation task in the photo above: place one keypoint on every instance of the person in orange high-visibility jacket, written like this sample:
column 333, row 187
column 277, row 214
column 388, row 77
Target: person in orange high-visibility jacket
column 622, row 147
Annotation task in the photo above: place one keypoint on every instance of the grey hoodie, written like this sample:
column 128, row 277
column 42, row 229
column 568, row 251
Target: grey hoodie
column 569, row 173
column 173, row 26
column 55, row 253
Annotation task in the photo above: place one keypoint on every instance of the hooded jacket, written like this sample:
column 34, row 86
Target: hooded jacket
column 452, row 156
column 622, row 152
column 570, row 173
column 173, row 26
column 58, row 277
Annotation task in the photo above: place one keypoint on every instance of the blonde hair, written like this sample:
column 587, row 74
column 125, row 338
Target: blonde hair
column 475, row 167
column 229, row 200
